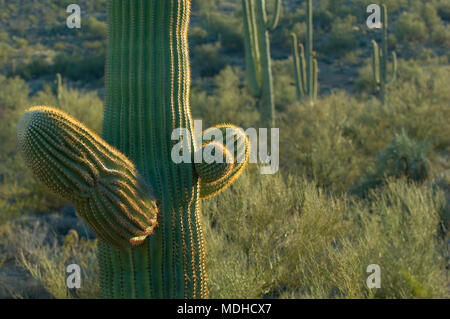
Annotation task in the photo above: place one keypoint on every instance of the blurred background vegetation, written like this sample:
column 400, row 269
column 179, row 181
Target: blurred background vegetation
column 358, row 183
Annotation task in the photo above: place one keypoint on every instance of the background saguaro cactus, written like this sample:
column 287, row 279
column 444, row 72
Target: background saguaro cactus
column 257, row 54
column 58, row 88
column 120, row 192
column 305, row 65
column 380, row 60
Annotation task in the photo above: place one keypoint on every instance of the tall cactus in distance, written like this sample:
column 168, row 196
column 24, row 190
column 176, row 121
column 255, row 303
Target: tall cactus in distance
column 58, row 88
column 306, row 68
column 257, row 54
column 143, row 206
column 380, row 60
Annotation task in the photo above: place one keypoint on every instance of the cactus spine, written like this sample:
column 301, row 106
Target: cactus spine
column 305, row 66
column 120, row 182
column 257, row 54
column 380, row 60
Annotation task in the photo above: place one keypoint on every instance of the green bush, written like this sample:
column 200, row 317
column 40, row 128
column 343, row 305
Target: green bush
column 410, row 28
column 342, row 37
column 96, row 29
column 228, row 101
column 444, row 10
column 403, row 158
column 207, row 59
column 289, row 239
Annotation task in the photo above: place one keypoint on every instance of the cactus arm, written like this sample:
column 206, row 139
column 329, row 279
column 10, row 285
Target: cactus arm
column 309, row 46
column 375, row 63
column 394, row 67
column 298, row 74
column 315, row 79
column 216, row 178
column 81, row 167
column 384, row 44
column 383, row 55
column 272, row 25
column 303, row 68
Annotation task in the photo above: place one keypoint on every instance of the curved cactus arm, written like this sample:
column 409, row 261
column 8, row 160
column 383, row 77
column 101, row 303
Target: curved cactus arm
column 106, row 189
column 214, row 171
column 272, row 25
column 298, row 65
column 376, row 63
column 220, row 176
column 302, row 68
column 315, row 79
column 394, row 67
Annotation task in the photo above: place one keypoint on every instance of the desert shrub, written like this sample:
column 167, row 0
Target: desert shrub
column 35, row 68
column 441, row 35
column 257, row 243
column 6, row 52
column 342, row 36
column 321, row 141
column 443, row 10
column 442, row 182
column 283, row 83
column 227, row 29
column 197, row 35
column 403, row 226
column 96, row 29
column 207, row 59
column 288, row 239
column 402, row 158
column 19, row 191
column 39, row 251
column 84, row 106
column 410, row 28
column 228, row 102
column 76, row 67
column 431, row 16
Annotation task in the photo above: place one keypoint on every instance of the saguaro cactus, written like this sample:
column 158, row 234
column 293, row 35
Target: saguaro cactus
column 380, row 60
column 143, row 206
column 257, row 54
column 58, row 88
column 305, row 66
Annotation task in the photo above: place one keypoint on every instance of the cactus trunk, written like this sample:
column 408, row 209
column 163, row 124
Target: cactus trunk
column 380, row 59
column 257, row 54
column 148, row 83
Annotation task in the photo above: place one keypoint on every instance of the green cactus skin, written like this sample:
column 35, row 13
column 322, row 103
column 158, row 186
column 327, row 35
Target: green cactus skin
column 147, row 97
column 306, row 68
column 257, row 54
column 380, row 60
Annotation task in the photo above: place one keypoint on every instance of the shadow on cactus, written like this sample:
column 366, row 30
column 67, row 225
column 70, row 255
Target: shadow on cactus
column 403, row 158
column 144, row 207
